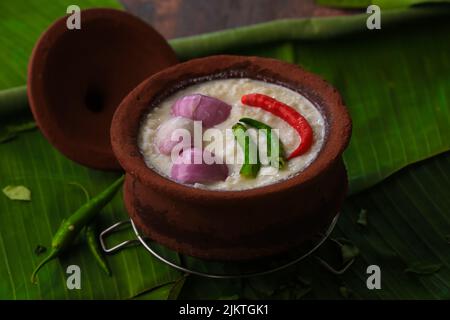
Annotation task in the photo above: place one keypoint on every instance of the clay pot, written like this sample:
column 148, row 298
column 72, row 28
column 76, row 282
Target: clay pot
column 233, row 225
column 77, row 78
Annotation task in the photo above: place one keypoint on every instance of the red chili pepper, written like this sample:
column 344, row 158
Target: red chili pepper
column 288, row 114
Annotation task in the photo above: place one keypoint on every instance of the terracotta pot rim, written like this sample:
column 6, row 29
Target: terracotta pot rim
column 127, row 119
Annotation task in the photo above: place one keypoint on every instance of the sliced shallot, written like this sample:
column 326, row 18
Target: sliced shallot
column 209, row 110
column 190, row 167
column 167, row 138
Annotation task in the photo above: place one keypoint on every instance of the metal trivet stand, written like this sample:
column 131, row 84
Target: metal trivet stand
column 262, row 270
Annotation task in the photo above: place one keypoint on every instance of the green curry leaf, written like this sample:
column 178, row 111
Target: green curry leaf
column 20, row 193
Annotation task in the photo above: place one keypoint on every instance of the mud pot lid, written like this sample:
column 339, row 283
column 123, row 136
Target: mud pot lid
column 77, row 78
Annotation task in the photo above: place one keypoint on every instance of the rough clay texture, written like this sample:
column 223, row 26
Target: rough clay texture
column 77, row 78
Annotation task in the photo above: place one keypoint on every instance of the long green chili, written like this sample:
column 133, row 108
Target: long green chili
column 91, row 238
column 72, row 226
column 251, row 166
column 94, row 247
column 268, row 131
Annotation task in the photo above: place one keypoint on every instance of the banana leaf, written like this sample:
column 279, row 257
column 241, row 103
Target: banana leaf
column 383, row 78
column 31, row 161
column 21, row 23
column 408, row 223
column 396, row 85
column 395, row 81
column 383, row 4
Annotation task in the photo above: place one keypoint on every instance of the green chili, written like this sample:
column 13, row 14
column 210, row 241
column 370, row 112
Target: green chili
column 72, row 226
column 251, row 165
column 268, row 130
column 91, row 239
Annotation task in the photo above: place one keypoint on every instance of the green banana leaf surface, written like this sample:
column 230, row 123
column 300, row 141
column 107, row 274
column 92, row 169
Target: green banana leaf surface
column 21, row 24
column 407, row 228
column 383, row 4
column 31, row 161
column 394, row 80
column 396, row 84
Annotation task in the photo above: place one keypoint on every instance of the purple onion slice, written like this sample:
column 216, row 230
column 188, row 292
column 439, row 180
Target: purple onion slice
column 209, row 110
column 190, row 167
